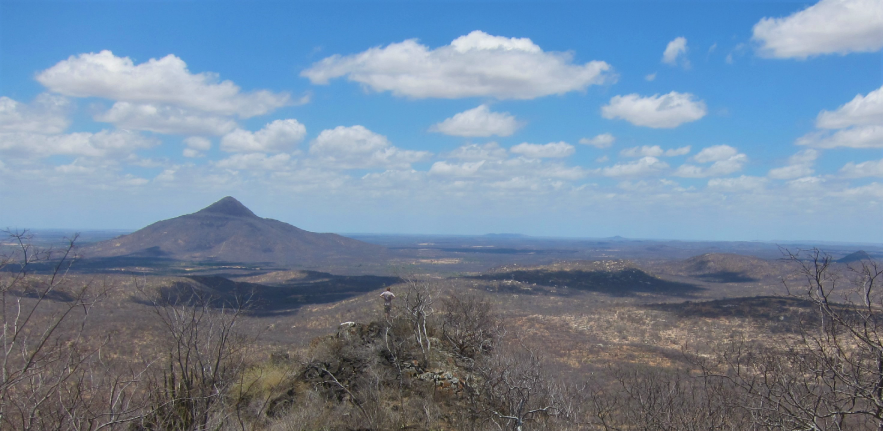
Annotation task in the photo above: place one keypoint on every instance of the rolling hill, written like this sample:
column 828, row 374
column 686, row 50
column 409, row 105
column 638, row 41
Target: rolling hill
column 729, row 268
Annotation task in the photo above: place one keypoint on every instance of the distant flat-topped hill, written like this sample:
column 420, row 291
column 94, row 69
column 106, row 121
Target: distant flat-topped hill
column 227, row 231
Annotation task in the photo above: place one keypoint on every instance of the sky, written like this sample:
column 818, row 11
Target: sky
column 718, row 120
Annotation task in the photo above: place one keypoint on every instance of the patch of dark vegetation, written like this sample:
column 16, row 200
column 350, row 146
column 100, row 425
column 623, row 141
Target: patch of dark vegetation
column 506, row 235
column 273, row 300
column 140, row 265
column 787, row 313
column 726, row 277
column 728, row 268
column 756, row 307
column 43, row 294
column 154, row 251
column 619, row 282
column 491, row 250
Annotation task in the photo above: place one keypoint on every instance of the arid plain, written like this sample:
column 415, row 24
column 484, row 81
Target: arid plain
column 301, row 317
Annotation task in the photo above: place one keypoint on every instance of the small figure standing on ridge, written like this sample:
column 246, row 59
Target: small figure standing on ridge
column 387, row 301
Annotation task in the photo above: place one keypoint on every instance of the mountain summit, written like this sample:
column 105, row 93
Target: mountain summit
column 227, row 231
column 227, row 206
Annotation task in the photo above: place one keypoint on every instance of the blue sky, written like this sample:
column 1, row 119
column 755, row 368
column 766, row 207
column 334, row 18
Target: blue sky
column 663, row 119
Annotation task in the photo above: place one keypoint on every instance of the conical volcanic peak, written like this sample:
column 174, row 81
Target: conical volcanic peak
column 227, row 231
column 228, row 206
column 855, row 257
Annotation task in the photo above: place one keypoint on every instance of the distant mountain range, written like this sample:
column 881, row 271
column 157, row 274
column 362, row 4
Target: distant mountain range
column 227, row 231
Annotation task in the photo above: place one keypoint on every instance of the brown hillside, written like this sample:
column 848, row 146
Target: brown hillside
column 730, row 268
column 227, row 231
column 617, row 278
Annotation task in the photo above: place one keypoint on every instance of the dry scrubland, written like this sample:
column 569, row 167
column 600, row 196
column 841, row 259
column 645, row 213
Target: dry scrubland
column 712, row 342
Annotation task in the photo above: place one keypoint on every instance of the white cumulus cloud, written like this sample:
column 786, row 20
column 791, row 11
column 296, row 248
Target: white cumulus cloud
column 674, row 51
column 542, row 151
column 75, row 168
column 46, row 114
column 742, row 183
column 164, row 81
column 604, row 140
column 871, row 168
column 790, row 171
column 715, row 154
column 196, row 145
column 682, row 151
column 475, row 152
column 658, row 111
column 166, row 176
column 799, row 165
column 854, row 137
column 100, row 144
column 805, row 183
column 480, row 122
column 357, row 147
column 641, row 167
column 165, row 119
column 864, row 110
column 827, row 27
column 724, row 160
column 475, row 65
column 855, row 124
column 280, row 135
column 653, row 151
column 466, row 169
column 254, row 161
column 645, row 151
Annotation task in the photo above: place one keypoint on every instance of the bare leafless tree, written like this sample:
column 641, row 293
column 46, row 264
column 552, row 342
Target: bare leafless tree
column 828, row 377
column 52, row 375
column 419, row 297
column 515, row 388
column 206, row 353
column 629, row 396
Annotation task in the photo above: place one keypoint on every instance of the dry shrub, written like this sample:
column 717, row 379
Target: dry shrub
column 470, row 326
